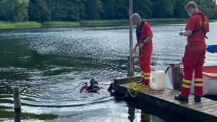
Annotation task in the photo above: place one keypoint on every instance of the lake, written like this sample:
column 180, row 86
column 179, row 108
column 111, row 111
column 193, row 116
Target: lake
column 50, row 65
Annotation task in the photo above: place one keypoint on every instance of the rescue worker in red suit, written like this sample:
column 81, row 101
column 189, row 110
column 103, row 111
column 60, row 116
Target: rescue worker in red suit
column 144, row 42
column 194, row 56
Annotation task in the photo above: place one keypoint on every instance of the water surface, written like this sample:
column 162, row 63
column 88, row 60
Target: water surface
column 50, row 64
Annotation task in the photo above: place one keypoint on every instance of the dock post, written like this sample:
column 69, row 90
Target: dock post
column 17, row 117
column 130, row 57
column 17, row 103
column 130, row 66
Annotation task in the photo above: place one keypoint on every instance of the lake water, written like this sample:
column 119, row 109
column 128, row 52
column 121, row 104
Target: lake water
column 50, row 64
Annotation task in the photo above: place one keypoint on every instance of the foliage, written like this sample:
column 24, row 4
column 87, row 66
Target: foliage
column 115, row 9
column 162, row 9
column 14, row 10
column 143, row 8
column 76, row 10
column 178, row 9
column 38, row 11
column 93, row 12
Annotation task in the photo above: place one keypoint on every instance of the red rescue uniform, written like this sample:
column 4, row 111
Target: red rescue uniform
column 194, row 55
column 145, row 53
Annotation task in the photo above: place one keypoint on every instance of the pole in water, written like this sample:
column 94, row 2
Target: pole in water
column 17, row 103
column 130, row 57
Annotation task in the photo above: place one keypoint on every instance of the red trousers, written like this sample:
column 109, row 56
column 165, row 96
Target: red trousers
column 193, row 61
column 144, row 62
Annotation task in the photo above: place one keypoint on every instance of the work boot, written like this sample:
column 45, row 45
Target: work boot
column 181, row 98
column 197, row 98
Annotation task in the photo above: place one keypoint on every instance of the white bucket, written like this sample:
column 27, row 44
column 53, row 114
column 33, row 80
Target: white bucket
column 157, row 81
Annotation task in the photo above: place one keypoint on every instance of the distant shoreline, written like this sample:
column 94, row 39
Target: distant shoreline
column 84, row 23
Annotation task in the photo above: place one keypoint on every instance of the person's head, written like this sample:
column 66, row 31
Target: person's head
column 136, row 19
column 191, row 7
column 85, row 84
column 93, row 82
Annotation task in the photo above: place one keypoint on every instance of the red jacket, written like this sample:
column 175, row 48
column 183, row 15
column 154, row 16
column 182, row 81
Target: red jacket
column 194, row 23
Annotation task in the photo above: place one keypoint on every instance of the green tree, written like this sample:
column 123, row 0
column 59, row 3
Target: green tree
column 14, row 10
column 93, row 9
column 115, row 9
column 108, row 9
column 65, row 10
column 162, row 9
column 38, row 11
column 143, row 7
column 179, row 11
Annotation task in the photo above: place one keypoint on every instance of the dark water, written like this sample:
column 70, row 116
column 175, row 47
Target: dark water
column 49, row 65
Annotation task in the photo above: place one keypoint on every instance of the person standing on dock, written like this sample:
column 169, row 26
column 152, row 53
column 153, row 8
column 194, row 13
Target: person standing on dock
column 144, row 42
column 194, row 56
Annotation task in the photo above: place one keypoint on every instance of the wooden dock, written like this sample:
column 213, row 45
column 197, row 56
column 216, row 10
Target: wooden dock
column 205, row 111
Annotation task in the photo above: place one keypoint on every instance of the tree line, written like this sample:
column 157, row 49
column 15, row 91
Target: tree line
column 75, row 10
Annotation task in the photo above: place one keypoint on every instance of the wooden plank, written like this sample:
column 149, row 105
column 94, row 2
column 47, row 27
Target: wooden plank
column 201, row 105
column 165, row 99
column 211, row 110
column 126, row 79
column 207, row 107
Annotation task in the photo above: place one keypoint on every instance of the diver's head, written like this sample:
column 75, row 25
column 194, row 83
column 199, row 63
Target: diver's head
column 93, row 82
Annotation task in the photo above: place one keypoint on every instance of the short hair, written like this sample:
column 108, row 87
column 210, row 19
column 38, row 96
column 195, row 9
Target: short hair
column 191, row 4
column 135, row 16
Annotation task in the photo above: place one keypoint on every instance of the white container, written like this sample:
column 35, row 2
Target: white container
column 157, row 81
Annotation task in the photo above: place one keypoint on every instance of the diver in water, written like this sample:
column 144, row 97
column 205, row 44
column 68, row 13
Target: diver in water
column 93, row 88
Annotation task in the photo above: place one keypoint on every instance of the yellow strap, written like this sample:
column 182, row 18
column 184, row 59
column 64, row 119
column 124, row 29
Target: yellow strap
column 198, row 84
column 198, row 79
column 186, row 86
column 186, row 81
column 147, row 73
column 147, row 78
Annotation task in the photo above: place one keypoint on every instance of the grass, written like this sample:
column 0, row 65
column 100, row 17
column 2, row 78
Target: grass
column 4, row 24
column 86, row 23
column 60, row 24
column 167, row 20
column 103, row 22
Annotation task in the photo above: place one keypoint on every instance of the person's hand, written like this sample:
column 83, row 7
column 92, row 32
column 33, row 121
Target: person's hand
column 141, row 45
column 181, row 33
column 134, row 50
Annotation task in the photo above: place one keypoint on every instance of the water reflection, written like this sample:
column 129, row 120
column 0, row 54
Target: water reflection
column 141, row 112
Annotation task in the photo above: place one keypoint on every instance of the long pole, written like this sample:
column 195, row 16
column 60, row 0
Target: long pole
column 130, row 58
